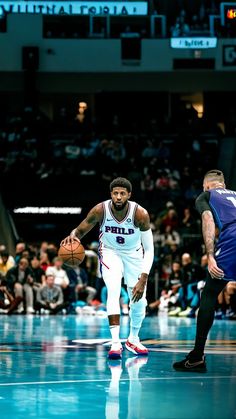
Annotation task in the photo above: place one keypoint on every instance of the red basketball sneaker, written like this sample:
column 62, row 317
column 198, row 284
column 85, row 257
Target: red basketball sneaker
column 136, row 347
column 115, row 351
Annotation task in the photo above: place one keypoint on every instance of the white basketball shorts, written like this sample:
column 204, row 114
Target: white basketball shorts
column 116, row 264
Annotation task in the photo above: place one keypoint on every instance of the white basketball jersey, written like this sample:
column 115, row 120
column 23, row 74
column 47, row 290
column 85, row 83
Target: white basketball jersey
column 120, row 235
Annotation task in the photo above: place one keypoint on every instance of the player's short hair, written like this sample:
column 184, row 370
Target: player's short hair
column 215, row 175
column 122, row 183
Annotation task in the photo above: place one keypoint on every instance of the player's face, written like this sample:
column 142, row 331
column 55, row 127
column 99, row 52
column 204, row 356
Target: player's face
column 119, row 198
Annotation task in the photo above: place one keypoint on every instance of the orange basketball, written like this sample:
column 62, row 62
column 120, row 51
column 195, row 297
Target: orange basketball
column 72, row 253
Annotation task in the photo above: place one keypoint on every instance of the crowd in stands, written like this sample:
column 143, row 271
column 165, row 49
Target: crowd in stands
column 181, row 19
column 164, row 160
column 166, row 170
column 192, row 18
column 35, row 280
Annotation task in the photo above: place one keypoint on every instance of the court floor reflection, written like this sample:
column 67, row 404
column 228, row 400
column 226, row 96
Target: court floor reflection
column 57, row 367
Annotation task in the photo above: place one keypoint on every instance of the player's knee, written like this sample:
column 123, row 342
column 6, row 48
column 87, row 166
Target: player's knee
column 113, row 309
column 139, row 306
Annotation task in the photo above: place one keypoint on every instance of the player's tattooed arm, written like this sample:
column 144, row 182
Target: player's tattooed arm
column 94, row 216
column 142, row 219
column 208, row 232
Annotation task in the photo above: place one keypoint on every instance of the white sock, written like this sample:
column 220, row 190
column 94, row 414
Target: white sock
column 115, row 333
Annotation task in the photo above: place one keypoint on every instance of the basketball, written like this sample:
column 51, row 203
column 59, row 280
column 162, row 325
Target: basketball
column 72, row 253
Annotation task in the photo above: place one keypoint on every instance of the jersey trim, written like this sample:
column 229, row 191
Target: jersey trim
column 104, row 214
column 100, row 255
column 134, row 213
column 125, row 217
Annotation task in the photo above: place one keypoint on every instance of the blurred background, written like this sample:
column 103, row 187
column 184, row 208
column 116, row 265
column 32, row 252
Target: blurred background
column 93, row 90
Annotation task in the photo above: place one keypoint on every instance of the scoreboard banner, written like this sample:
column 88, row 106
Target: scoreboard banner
column 75, row 7
column 193, row 43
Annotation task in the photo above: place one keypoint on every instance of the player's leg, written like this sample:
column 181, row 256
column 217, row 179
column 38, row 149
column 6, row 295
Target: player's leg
column 137, row 314
column 206, row 312
column 195, row 360
column 29, row 298
column 18, row 292
column 112, row 272
column 124, row 301
column 133, row 268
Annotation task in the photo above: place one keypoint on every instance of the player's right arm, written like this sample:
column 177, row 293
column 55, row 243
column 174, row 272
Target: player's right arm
column 94, row 216
column 208, row 232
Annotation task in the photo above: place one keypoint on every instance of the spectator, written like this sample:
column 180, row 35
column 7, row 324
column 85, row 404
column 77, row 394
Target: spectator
column 43, row 248
column 83, row 291
column 170, row 219
column 189, row 294
column 188, row 223
column 169, row 295
column 227, row 302
column 231, row 294
column 20, row 283
column 20, row 247
column 6, row 262
column 50, row 297
column 44, row 261
column 4, row 249
column 8, row 303
column 169, row 238
column 38, row 272
column 189, row 229
column 60, row 275
column 147, row 186
column 180, row 28
column 150, row 150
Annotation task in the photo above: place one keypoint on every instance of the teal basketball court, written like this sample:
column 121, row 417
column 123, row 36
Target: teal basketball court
column 57, row 367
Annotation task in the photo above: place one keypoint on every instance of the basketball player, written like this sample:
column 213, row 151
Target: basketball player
column 125, row 250
column 217, row 206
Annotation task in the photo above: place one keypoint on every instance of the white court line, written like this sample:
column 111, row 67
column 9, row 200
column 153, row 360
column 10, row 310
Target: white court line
column 200, row 377
column 209, row 351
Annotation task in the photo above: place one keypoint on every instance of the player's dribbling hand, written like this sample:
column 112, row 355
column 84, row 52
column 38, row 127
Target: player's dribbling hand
column 69, row 239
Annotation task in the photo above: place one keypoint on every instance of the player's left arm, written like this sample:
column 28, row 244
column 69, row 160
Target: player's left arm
column 208, row 232
column 142, row 221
